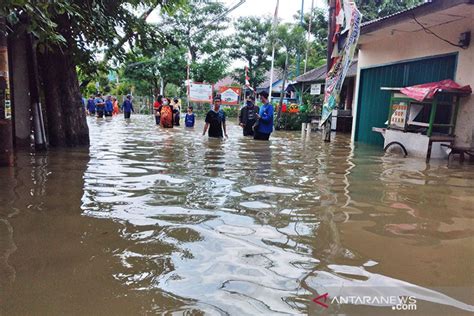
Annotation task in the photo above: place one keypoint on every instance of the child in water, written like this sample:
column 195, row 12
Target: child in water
column 189, row 119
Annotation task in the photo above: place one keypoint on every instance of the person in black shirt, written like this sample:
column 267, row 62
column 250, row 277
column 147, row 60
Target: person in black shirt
column 248, row 116
column 215, row 121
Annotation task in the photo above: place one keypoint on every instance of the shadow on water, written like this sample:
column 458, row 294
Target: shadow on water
column 167, row 221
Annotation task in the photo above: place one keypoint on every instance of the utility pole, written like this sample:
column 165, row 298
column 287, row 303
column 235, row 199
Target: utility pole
column 298, row 57
column 275, row 21
column 309, row 38
column 332, row 27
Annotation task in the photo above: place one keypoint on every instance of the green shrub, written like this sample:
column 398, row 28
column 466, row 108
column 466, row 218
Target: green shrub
column 290, row 121
column 231, row 111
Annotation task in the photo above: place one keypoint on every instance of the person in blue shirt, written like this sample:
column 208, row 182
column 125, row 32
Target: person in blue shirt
column 189, row 118
column 265, row 119
column 127, row 107
column 109, row 106
column 91, row 106
column 99, row 105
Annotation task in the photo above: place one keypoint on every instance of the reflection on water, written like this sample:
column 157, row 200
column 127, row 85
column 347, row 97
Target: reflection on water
column 167, row 221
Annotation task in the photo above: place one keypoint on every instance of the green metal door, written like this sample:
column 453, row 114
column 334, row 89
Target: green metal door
column 372, row 110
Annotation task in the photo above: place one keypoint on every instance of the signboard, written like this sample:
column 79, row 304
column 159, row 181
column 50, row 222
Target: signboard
column 199, row 92
column 229, row 95
column 399, row 115
column 315, row 89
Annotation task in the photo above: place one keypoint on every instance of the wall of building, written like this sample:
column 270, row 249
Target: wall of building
column 405, row 46
column 21, row 92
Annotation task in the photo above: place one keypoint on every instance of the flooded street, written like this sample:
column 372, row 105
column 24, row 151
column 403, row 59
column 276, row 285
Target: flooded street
column 153, row 221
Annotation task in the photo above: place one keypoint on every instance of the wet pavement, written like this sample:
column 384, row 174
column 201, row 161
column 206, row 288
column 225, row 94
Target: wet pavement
column 153, row 221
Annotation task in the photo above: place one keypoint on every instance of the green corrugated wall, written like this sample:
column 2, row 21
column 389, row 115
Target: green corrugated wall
column 373, row 103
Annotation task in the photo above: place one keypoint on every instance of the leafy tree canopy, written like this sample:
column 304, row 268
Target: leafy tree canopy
column 86, row 27
column 374, row 9
column 249, row 43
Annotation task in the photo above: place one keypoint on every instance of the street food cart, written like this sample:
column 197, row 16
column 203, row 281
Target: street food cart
column 422, row 119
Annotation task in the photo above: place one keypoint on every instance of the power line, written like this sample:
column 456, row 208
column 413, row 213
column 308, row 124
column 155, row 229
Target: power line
column 428, row 31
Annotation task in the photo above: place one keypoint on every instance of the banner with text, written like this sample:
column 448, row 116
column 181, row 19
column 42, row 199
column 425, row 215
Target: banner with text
column 200, row 92
column 344, row 48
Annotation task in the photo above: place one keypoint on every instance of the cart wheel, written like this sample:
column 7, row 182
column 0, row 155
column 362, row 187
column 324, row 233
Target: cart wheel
column 396, row 147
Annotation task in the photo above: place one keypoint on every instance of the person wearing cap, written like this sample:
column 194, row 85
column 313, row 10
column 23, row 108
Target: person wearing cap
column 127, row 107
column 215, row 121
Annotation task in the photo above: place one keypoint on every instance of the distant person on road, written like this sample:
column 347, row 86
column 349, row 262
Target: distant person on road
column 157, row 107
column 99, row 105
column 215, row 121
column 189, row 118
column 166, row 114
column 91, row 106
column 109, row 106
column 265, row 119
column 248, row 116
column 127, row 107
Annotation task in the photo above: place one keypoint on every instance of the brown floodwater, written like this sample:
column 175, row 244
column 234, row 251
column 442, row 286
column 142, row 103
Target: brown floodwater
column 152, row 221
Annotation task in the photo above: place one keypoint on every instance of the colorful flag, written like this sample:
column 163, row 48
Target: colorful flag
column 247, row 78
column 344, row 47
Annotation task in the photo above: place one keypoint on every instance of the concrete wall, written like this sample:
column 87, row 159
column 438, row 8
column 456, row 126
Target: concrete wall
column 402, row 46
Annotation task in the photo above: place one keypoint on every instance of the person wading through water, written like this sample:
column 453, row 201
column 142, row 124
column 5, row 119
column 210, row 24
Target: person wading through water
column 99, row 105
column 157, row 107
column 176, row 111
column 215, row 121
column 127, row 107
column 91, row 106
column 248, row 116
column 166, row 114
column 265, row 119
column 109, row 106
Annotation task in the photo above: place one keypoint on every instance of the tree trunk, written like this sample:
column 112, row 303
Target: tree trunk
column 67, row 125
column 282, row 94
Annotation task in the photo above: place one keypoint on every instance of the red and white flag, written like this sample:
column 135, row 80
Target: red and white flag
column 247, row 78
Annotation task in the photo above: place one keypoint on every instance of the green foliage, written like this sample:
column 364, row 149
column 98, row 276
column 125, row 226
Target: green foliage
column 290, row 121
column 289, row 38
column 231, row 111
column 317, row 47
column 374, row 9
column 250, row 44
column 199, row 31
column 173, row 90
column 85, row 27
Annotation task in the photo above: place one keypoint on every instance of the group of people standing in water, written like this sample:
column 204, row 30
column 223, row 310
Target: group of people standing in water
column 255, row 122
column 168, row 114
column 108, row 106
